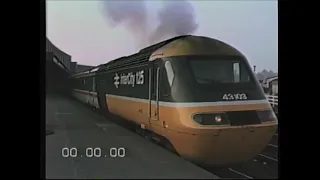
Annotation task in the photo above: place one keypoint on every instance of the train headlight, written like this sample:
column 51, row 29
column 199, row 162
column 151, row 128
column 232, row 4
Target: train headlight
column 211, row 119
column 218, row 118
column 266, row 116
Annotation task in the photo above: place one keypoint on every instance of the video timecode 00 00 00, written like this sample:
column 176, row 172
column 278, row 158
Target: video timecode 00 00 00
column 93, row 152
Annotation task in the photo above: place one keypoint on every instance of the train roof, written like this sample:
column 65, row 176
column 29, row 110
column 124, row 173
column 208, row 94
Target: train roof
column 176, row 46
column 194, row 45
column 160, row 44
column 140, row 57
column 87, row 73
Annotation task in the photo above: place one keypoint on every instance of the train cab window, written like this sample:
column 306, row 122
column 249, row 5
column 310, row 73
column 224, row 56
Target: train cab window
column 170, row 73
column 84, row 81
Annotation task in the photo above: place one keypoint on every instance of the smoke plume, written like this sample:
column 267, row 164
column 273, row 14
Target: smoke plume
column 131, row 14
column 175, row 18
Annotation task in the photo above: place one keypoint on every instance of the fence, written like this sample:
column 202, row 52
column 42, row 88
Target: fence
column 273, row 100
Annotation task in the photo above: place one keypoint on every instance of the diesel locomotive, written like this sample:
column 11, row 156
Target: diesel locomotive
column 195, row 93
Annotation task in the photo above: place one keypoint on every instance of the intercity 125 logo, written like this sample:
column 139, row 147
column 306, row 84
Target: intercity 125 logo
column 116, row 80
column 131, row 78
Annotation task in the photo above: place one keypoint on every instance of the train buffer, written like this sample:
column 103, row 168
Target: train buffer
column 86, row 145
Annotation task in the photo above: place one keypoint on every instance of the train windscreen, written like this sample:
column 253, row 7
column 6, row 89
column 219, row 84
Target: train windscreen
column 207, row 78
column 221, row 72
column 208, row 71
column 215, row 72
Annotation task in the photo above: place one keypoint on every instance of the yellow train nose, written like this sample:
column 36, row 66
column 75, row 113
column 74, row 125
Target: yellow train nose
column 226, row 146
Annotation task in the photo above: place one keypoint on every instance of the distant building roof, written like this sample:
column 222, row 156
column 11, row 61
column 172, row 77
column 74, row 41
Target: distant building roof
column 269, row 79
column 62, row 56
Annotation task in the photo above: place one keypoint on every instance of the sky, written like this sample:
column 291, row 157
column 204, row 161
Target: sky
column 81, row 29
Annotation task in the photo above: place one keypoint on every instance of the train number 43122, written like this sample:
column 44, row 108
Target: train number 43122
column 237, row 96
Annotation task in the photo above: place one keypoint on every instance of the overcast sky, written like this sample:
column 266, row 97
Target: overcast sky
column 80, row 29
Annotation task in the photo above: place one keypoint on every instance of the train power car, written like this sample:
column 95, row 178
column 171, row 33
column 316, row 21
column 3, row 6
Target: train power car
column 195, row 93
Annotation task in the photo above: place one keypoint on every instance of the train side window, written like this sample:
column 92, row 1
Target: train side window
column 170, row 73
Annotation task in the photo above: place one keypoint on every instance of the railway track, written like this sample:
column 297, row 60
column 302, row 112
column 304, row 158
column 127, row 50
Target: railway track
column 263, row 166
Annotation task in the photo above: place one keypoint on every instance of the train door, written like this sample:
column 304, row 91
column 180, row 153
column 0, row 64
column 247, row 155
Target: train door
column 88, row 89
column 85, row 88
column 154, row 78
column 93, row 93
column 101, row 92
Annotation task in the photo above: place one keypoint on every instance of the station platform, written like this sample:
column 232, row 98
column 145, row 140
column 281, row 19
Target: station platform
column 79, row 133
